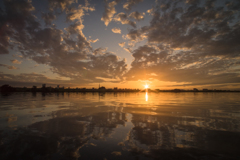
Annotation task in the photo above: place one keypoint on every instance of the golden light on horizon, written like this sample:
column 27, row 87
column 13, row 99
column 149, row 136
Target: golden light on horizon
column 146, row 86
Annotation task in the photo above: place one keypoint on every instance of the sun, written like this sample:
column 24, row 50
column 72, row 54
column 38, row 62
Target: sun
column 146, row 86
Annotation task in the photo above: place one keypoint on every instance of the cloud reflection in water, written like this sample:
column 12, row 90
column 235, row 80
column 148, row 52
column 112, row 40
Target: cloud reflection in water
column 184, row 125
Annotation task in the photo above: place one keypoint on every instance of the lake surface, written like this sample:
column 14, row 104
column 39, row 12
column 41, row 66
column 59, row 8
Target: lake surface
column 120, row 126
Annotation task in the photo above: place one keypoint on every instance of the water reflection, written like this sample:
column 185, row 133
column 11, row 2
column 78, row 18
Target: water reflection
column 146, row 96
column 177, row 126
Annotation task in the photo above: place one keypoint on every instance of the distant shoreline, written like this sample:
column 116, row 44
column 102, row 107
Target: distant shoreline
column 116, row 91
column 7, row 88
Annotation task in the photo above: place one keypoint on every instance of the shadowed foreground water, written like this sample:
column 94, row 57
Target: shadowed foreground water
column 120, row 126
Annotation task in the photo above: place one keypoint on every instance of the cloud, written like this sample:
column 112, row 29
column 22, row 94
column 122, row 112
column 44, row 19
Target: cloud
column 68, row 53
column 116, row 153
column 29, row 79
column 150, row 11
column 100, row 51
column 15, row 61
column 136, row 15
column 109, row 11
column 185, row 41
column 48, row 18
column 130, row 3
column 78, row 13
column 62, row 4
column 136, row 35
column 122, row 44
column 192, row 43
column 116, row 30
column 93, row 41
column 16, row 16
column 7, row 66
column 75, row 28
column 123, row 18
column 128, row 50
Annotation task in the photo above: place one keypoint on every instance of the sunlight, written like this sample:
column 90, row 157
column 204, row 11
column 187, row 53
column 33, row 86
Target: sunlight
column 146, row 96
column 146, row 86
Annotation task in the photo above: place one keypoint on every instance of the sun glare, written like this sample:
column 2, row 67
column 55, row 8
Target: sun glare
column 146, row 86
column 146, row 96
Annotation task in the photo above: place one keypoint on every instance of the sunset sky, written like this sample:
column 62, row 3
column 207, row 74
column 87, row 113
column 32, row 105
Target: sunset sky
column 166, row 44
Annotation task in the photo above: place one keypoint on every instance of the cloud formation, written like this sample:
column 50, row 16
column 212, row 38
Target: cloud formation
column 130, row 3
column 192, row 43
column 136, row 15
column 68, row 53
column 123, row 18
column 15, row 61
column 122, row 44
column 7, row 66
column 116, row 30
column 109, row 11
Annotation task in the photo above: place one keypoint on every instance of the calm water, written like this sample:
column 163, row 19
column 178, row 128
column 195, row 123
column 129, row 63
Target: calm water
column 120, row 126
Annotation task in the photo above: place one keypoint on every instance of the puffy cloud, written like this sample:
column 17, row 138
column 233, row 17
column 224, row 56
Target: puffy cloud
column 122, row 44
column 109, row 11
column 68, row 53
column 15, row 61
column 136, row 35
column 78, row 13
column 136, row 15
column 192, row 43
column 16, row 16
column 75, row 28
column 7, row 66
column 130, row 3
column 123, row 18
column 116, row 30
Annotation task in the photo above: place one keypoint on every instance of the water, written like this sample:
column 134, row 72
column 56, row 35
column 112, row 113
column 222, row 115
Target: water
column 120, row 126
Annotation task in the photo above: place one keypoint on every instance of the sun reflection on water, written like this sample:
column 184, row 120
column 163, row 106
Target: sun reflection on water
column 146, row 96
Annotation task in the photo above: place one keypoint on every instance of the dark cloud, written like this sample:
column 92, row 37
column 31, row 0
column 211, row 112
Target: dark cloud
column 15, row 18
column 188, row 43
column 69, row 57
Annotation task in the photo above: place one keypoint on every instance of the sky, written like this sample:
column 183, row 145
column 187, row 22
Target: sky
column 166, row 44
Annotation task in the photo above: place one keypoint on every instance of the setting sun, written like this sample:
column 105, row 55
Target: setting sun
column 146, row 86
